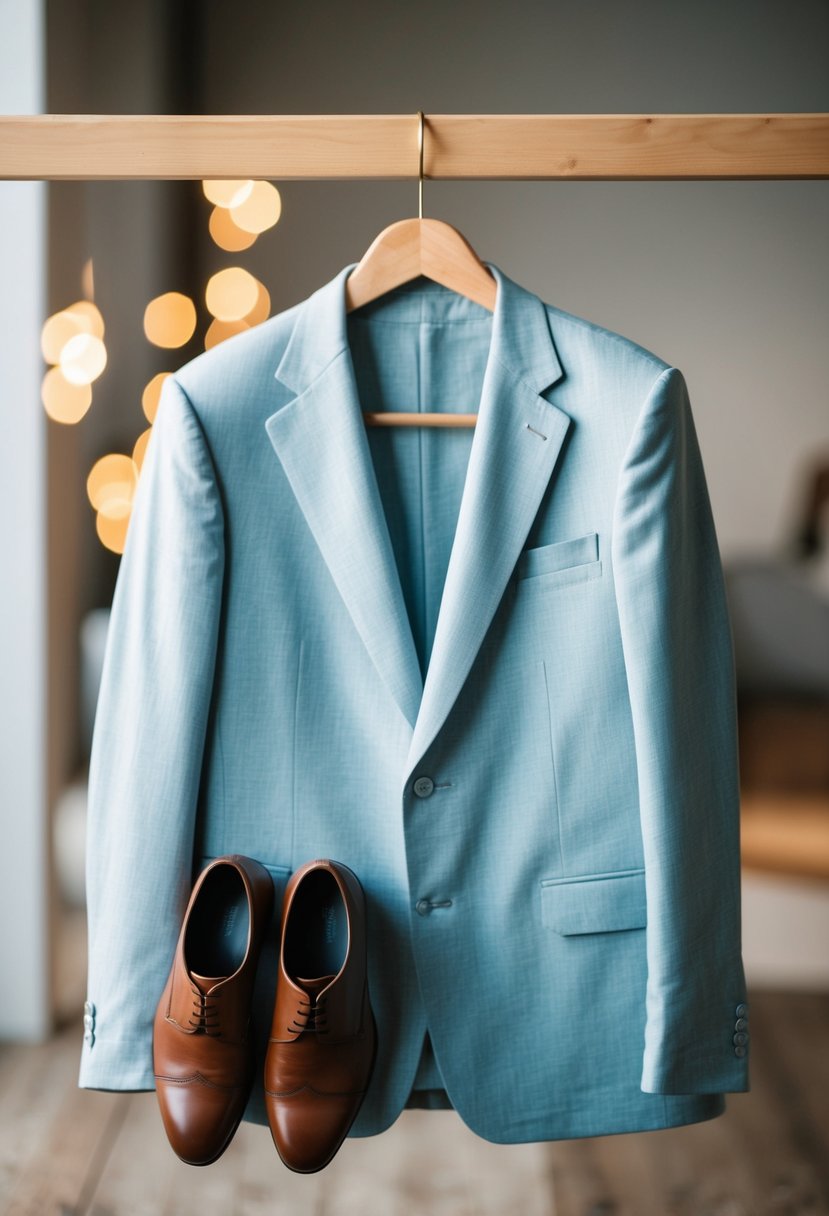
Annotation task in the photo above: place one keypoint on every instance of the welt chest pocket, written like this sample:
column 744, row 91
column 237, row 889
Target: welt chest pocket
column 595, row 903
column 574, row 560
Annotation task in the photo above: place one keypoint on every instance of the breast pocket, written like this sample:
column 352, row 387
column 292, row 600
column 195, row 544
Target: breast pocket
column 574, row 560
column 595, row 903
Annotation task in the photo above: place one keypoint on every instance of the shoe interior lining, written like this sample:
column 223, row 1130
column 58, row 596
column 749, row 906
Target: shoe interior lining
column 217, row 932
column 316, row 938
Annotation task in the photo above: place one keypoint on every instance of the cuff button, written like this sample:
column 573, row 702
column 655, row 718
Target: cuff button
column 742, row 1010
column 89, row 1035
column 740, row 1049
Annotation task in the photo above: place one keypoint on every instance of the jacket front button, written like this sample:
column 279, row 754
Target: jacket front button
column 423, row 787
column 423, row 907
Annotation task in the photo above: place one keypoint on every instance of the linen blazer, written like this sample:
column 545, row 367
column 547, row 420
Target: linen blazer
column 489, row 669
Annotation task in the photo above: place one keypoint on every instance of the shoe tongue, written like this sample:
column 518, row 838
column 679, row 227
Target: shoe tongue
column 205, row 982
column 315, row 985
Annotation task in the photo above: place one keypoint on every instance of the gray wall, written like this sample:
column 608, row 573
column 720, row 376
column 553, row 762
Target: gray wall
column 727, row 280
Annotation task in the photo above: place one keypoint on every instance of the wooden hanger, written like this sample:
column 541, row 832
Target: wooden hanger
column 401, row 252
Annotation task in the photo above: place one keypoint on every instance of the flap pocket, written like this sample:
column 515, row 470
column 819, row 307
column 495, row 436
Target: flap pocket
column 594, row 903
column 577, row 551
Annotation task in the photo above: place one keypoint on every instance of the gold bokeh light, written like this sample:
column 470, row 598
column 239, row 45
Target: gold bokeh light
column 73, row 341
column 260, row 210
column 112, row 532
column 64, row 402
column 219, row 330
column 140, row 447
column 88, row 279
column 227, row 192
column 231, row 294
column 111, row 484
column 152, row 395
column 92, row 314
column 226, row 234
column 63, row 325
column 83, row 358
column 262, row 308
column 170, row 319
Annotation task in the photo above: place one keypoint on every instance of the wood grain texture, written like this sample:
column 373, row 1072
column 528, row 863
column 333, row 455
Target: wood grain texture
column 522, row 147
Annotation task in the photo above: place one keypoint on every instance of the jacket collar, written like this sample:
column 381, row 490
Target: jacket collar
column 320, row 438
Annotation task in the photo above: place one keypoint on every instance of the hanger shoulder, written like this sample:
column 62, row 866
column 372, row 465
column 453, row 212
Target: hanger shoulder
column 413, row 247
column 448, row 258
column 391, row 259
column 401, row 252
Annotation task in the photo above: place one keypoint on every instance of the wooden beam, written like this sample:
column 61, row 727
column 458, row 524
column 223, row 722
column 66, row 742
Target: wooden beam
column 518, row 147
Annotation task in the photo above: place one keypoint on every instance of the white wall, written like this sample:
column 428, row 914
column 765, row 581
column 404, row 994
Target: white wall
column 24, row 1009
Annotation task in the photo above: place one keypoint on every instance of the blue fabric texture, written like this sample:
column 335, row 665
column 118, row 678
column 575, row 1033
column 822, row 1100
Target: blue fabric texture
column 312, row 616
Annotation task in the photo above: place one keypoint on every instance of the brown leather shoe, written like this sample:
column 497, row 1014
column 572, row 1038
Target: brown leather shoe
column 203, row 1056
column 323, row 1038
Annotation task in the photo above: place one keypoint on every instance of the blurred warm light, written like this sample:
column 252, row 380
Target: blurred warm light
column 111, row 484
column 231, row 294
column 226, row 234
column 262, row 308
column 260, row 210
column 59, row 328
column 219, row 330
column 83, row 358
column 152, row 395
column 93, row 315
column 227, row 192
column 112, row 532
column 141, row 446
column 64, row 402
column 88, row 280
column 170, row 319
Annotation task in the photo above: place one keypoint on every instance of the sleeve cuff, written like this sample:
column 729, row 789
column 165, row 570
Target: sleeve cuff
column 117, row 1064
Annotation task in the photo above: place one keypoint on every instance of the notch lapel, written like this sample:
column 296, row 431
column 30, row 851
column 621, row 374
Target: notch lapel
column 320, row 438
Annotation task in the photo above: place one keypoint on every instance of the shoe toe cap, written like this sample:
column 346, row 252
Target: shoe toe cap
column 199, row 1118
column 308, row 1128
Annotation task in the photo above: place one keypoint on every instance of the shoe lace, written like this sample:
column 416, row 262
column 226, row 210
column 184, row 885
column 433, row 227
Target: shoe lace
column 311, row 1015
column 207, row 1014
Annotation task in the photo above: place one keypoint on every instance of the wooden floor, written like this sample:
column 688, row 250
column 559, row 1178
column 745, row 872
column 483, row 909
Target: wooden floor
column 77, row 1152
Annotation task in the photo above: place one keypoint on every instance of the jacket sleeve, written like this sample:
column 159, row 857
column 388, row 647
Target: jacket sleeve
column 148, row 743
column 678, row 652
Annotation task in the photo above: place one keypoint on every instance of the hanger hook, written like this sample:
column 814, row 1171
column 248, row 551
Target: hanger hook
column 420, row 166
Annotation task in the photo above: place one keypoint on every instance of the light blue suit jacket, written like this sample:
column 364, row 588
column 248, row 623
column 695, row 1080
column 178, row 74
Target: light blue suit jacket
column 312, row 617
